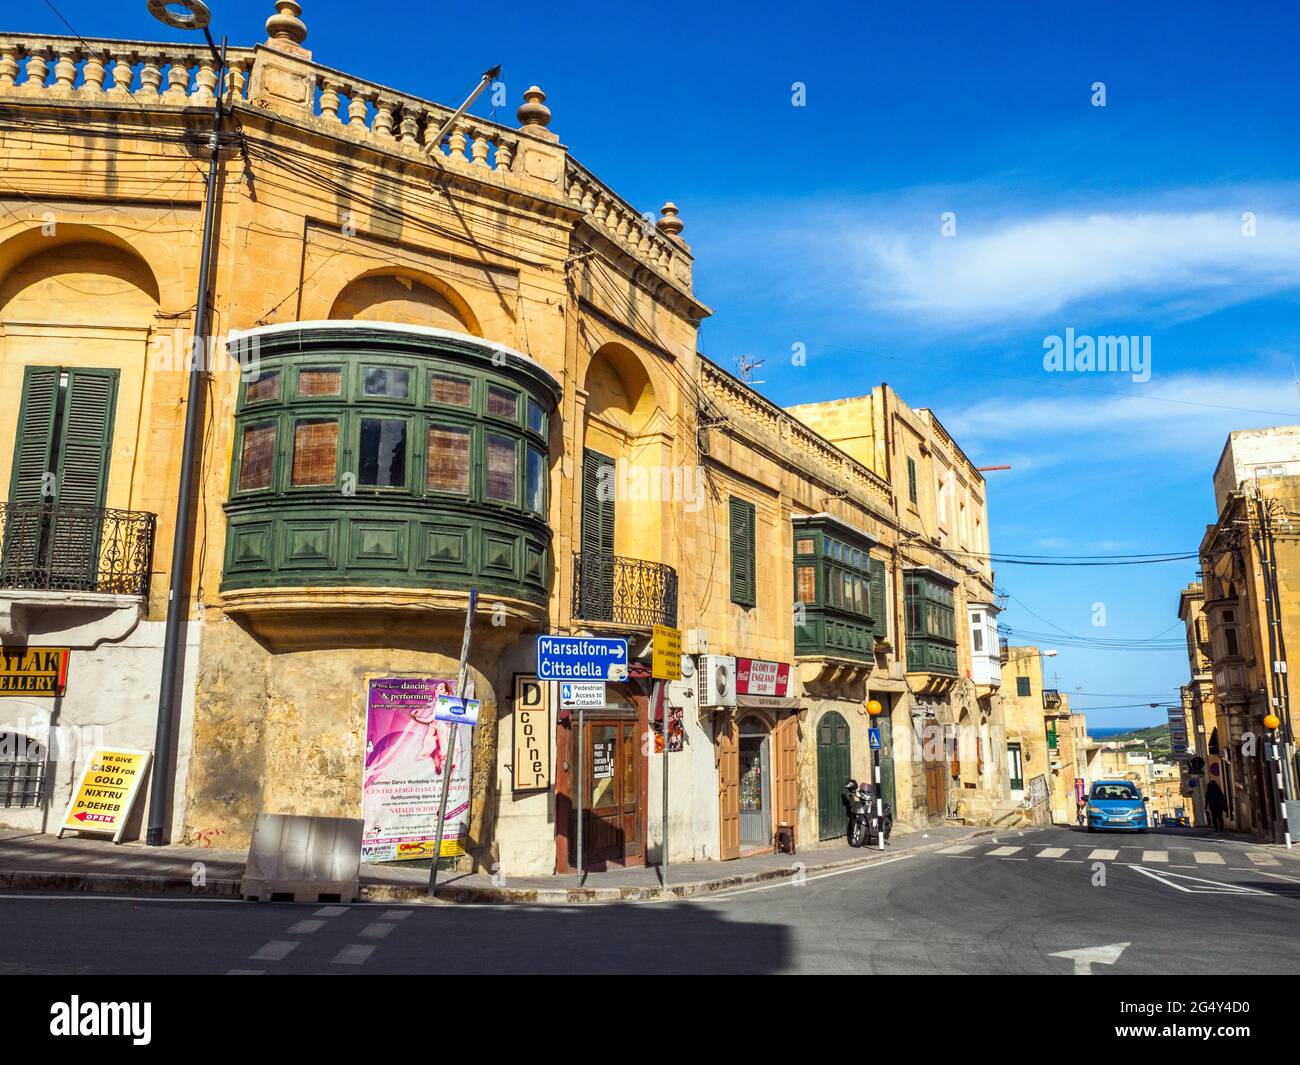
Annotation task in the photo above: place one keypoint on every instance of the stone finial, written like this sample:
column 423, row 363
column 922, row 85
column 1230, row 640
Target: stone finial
column 669, row 224
column 285, row 27
column 534, row 115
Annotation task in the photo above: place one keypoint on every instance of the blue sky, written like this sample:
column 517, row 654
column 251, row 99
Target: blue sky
column 820, row 225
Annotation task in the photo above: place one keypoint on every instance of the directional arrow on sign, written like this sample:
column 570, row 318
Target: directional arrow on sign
column 1086, row 957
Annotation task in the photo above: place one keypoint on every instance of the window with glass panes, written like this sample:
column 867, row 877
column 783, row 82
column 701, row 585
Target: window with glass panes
column 931, row 624
column 402, row 429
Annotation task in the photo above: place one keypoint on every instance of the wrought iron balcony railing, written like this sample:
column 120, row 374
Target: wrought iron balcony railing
column 53, row 547
column 625, row 591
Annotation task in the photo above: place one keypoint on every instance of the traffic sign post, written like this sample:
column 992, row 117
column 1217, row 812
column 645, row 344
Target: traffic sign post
column 461, row 677
column 581, row 658
column 666, row 653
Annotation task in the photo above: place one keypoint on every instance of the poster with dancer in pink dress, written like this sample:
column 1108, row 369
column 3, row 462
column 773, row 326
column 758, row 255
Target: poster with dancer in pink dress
column 407, row 756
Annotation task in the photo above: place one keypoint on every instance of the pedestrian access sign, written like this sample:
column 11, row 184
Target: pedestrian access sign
column 106, row 792
column 873, row 735
column 581, row 658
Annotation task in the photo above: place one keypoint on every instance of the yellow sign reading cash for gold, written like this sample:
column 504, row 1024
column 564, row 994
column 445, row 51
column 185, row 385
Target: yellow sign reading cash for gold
column 106, row 792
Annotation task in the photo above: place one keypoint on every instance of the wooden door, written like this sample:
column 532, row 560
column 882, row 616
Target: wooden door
column 729, row 785
column 834, row 768
column 613, row 792
column 785, row 739
column 887, row 787
column 934, row 774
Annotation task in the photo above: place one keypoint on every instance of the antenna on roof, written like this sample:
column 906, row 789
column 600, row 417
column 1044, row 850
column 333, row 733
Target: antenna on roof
column 746, row 366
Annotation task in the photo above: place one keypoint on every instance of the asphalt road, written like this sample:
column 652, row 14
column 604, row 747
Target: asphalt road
column 1006, row 904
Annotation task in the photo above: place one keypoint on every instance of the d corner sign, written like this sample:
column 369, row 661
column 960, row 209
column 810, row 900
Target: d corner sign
column 106, row 792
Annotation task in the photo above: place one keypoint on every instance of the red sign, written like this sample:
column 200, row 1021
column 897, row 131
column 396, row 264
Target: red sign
column 756, row 677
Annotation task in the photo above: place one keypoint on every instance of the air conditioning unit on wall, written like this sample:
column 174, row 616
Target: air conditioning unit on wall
column 717, row 681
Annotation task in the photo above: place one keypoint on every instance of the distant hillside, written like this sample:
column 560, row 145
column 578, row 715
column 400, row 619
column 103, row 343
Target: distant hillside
column 1156, row 738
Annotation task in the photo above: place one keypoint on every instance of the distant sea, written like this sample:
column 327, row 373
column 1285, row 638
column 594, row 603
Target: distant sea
column 1104, row 732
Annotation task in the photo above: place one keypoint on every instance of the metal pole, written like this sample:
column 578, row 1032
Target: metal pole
column 661, row 695
column 177, row 599
column 880, row 802
column 582, row 760
column 453, row 737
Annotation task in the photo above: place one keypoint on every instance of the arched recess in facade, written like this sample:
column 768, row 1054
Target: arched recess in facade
column 83, row 298
column 408, row 297
column 624, row 421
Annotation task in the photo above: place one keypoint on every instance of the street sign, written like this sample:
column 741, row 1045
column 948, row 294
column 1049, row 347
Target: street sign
column 103, row 798
column 874, row 735
column 666, row 660
column 581, row 658
column 452, row 708
column 582, row 695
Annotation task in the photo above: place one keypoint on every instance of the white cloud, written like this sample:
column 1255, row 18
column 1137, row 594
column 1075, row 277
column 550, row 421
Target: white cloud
column 1181, row 263
column 1187, row 414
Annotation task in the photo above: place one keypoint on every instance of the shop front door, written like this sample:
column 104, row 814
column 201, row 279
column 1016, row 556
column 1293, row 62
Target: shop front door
column 755, row 784
column 613, row 793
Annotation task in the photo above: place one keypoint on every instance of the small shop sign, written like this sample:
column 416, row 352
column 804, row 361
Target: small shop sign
column 33, row 671
column 757, row 677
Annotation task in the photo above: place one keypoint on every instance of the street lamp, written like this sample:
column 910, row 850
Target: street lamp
column 185, row 15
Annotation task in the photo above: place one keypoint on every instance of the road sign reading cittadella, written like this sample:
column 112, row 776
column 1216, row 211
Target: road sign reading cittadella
column 581, row 658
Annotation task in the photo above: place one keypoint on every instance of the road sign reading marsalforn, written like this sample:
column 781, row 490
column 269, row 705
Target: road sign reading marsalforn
column 581, row 658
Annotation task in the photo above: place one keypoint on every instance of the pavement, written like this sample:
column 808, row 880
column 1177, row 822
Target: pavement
column 1053, row 901
column 30, row 861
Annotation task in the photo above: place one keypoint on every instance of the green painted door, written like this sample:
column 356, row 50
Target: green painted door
column 833, row 769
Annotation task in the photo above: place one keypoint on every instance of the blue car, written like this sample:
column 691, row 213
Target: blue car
column 1118, row 805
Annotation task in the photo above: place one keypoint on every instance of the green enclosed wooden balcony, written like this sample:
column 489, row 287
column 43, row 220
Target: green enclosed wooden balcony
column 377, row 456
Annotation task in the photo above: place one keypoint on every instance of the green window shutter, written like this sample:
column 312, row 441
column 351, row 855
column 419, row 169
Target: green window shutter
column 87, row 437
column 877, row 605
column 597, row 512
column 911, row 479
column 34, row 448
column 743, row 577
column 596, row 590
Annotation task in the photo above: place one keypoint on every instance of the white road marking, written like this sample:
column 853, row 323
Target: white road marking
column 960, row 848
column 303, row 928
column 1279, row 876
column 276, row 950
column 1086, row 957
column 1053, row 852
column 1101, row 854
column 330, row 911
column 1000, row 852
column 246, row 972
column 1197, row 886
column 1208, row 858
column 354, row 954
column 396, row 915
column 1155, row 856
column 377, row 930
column 1262, row 859
column 785, row 882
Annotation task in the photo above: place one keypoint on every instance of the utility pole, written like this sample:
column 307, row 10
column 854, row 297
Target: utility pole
column 177, row 599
